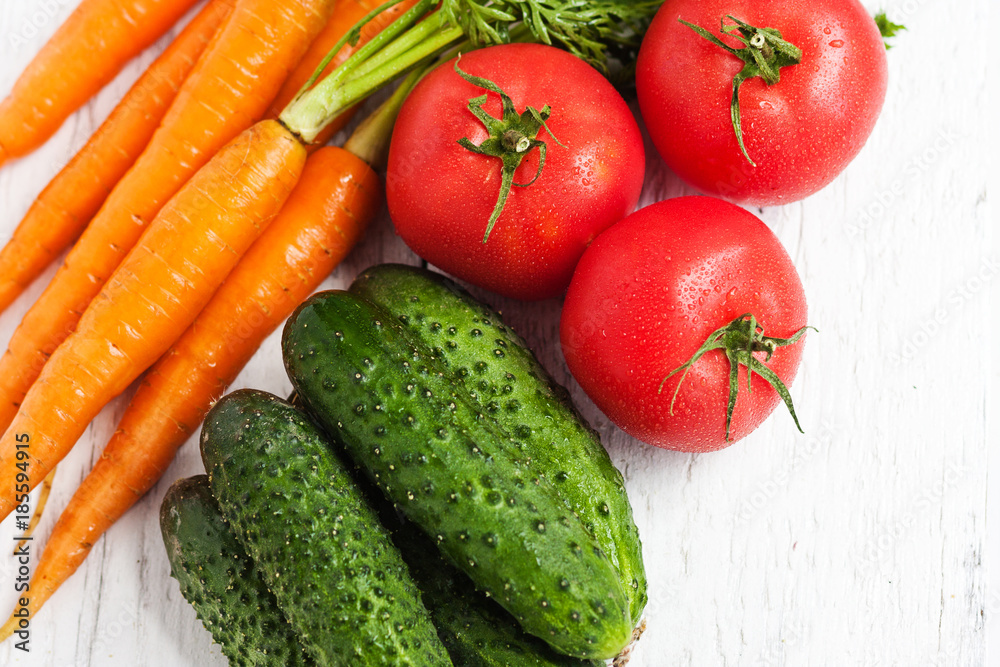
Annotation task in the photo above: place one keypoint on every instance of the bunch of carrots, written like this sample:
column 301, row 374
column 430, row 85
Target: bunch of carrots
column 195, row 221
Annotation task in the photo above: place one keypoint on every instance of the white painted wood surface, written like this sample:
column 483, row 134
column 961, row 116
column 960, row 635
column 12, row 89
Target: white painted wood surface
column 859, row 543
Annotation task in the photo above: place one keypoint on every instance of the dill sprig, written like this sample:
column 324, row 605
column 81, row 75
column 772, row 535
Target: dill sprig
column 596, row 30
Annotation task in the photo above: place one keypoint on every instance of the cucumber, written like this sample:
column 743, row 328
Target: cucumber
column 500, row 371
column 454, row 472
column 476, row 631
column 222, row 583
column 330, row 563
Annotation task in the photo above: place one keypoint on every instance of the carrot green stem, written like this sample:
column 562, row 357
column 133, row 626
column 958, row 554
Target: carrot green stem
column 596, row 30
column 356, row 89
column 370, row 141
column 351, row 37
column 403, row 43
column 412, row 38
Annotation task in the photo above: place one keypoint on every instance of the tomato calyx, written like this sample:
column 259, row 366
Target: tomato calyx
column 887, row 28
column 740, row 340
column 511, row 138
column 764, row 54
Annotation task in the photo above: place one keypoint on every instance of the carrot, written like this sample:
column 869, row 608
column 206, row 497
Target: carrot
column 74, row 196
column 229, row 89
column 150, row 300
column 27, row 534
column 348, row 13
column 324, row 217
column 84, row 54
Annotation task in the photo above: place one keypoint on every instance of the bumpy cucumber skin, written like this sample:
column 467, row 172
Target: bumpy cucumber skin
column 476, row 631
column 330, row 563
column 455, row 473
column 222, row 583
column 500, row 370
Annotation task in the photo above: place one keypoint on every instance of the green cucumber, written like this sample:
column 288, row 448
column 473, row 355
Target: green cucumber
column 330, row 563
column 476, row 631
column 222, row 583
column 457, row 474
column 500, row 371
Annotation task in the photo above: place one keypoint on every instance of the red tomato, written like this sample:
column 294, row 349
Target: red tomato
column 646, row 296
column 441, row 194
column 801, row 131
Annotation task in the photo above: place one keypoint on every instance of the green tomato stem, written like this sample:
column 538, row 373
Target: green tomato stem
column 512, row 136
column 763, row 55
column 887, row 28
column 739, row 340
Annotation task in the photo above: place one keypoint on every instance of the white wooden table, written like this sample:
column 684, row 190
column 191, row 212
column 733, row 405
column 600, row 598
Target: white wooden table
column 862, row 542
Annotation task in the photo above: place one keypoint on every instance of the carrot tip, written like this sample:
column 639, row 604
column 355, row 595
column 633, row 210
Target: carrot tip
column 8, row 628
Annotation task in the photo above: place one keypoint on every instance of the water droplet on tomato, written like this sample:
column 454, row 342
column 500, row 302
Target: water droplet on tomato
column 731, row 293
column 837, row 43
column 827, row 31
column 764, row 104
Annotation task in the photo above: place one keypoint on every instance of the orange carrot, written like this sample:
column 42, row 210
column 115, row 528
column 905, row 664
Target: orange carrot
column 63, row 209
column 348, row 13
column 229, row 89
column 84, row 54
column 324, row 217
column 150, row 300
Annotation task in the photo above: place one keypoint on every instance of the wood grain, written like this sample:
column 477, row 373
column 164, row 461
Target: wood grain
column 859, row 543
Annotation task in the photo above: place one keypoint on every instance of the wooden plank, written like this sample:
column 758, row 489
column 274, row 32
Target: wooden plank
column 859, row 543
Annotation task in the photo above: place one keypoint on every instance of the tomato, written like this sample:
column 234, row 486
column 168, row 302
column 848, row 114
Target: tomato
column 801, row 132
column 441, row 194
column 648, row 294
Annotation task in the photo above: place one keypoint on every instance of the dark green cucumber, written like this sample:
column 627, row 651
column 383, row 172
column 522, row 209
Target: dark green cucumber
column 476, row 631
column 222, row 583
column 331, row 564
column 455, row 473
column 500, row 371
